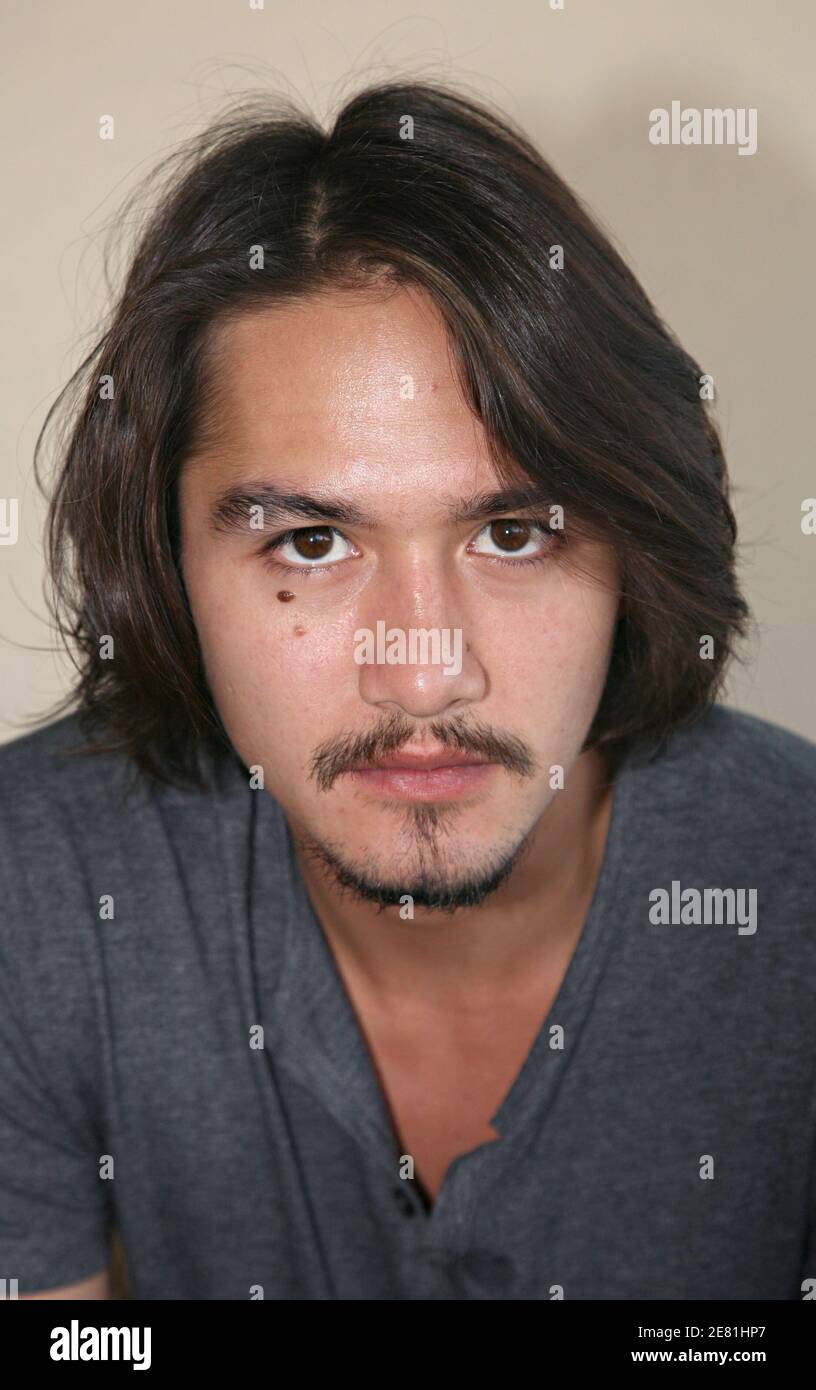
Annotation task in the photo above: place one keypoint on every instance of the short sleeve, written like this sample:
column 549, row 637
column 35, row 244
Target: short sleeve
column 807, row 1285
column 54, row 1207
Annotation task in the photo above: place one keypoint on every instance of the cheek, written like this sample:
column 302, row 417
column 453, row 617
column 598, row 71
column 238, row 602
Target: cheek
column 264, row 657
column 559, row 648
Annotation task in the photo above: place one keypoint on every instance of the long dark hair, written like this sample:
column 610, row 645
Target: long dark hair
column 576, row 380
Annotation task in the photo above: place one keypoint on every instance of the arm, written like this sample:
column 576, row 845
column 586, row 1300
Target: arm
column 98, row 1286
column 55, row 1209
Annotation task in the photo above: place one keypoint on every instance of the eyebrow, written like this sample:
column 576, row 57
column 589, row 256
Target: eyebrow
column 233, row 509
column 484, row 504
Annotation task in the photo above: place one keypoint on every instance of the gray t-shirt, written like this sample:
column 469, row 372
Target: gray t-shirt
column 658, row 1141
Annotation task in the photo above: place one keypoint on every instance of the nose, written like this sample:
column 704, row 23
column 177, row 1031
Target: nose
column 420, row 651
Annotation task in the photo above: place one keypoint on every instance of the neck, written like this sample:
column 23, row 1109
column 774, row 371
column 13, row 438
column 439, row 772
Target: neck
column 524, row 932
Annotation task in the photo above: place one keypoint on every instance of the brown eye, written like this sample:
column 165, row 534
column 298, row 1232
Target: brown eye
column 513, row 539
column 510, row 535
column 313, row 544
column 310, row 548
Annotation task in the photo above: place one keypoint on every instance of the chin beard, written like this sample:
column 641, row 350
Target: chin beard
column 433, row 882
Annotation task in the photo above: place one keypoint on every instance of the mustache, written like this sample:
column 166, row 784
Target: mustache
column 352, row 752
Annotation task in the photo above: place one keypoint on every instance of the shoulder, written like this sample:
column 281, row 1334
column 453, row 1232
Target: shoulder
column 72, row 818
column 731, row 799
column 736, row 759
column 43, row 770
column 88, row 848
column 58, row 773
column 58, row 812
column 73, row 823
column 751, row 748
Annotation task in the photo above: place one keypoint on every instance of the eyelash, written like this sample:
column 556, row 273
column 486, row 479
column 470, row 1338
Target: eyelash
column 277, row 542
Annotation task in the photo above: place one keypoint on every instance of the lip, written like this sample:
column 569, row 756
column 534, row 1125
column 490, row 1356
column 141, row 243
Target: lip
column 426, row 776
column 428, row 760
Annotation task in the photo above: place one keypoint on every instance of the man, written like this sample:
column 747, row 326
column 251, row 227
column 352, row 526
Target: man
column 412, row 922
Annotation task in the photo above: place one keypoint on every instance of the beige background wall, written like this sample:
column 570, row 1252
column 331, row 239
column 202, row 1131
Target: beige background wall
column 723, row 243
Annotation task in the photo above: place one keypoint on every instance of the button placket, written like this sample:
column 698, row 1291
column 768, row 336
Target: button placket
column 405, row 1203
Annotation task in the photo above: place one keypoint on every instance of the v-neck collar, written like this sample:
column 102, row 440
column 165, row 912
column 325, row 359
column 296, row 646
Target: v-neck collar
column 316, row 1032
column 317, row 1035
column 570, row 1006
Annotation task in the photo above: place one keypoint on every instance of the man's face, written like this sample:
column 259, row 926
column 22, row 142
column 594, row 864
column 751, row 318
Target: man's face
column 350, row 400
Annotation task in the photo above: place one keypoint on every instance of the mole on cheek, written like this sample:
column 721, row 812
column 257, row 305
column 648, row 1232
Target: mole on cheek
column 285, row 595
column 299, row 631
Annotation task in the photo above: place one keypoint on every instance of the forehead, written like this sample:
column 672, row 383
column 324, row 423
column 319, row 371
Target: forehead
column 354, row 387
